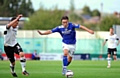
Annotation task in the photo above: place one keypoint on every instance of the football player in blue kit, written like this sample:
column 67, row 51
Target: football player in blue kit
column 68, row 33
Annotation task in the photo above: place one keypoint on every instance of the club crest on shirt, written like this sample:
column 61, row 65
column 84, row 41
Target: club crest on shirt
column 66, row 31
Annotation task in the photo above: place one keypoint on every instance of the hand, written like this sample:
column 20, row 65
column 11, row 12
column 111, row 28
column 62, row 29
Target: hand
column 39, row 32
column 88, row 30
column 92, row 32
column 19, row 16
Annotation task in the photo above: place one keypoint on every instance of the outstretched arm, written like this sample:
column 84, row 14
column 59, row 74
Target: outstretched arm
column 88, row 30
column 45, row 33
column 104, row 42
column 118, row 42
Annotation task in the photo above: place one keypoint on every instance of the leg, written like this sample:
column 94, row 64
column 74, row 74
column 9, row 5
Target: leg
column 109, row 57
column 23, row 63
column 109, row 61
column 1, row 57
column 12, row 67
column 115, row 54
column 70, row 54
column 65, row 61
column 38, row 58
column 115, row 57
column 65, row 57
column 69, row 60
column 18, row 50
column 10, row 54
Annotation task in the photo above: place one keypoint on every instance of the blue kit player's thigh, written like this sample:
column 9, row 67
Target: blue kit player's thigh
column 71, row 50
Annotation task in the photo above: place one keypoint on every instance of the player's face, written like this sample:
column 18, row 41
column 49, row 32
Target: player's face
column 15, row 24
column 65, row 22
column 111, row 30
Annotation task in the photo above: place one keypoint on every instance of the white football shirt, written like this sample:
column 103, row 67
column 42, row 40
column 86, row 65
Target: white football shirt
column 112, row 41
column 10, row 37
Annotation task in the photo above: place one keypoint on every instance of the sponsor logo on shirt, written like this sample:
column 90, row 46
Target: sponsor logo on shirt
column 66, row 31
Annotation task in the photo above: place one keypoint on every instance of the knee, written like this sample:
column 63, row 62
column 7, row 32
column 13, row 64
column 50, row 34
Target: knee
column 108, row 55
column 65, row 52
column 12, row 61
column 21, row 54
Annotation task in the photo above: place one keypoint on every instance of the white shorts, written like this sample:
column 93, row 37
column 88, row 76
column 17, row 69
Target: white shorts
column 70, row 47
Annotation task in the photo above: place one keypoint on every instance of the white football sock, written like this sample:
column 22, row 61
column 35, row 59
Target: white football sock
column 109, row 61
column 12, row 68
column 23, row 63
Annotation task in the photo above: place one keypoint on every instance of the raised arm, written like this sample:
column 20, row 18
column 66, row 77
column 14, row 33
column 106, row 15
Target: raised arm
column 14, row 21
column 45, row 33
column 86, row 29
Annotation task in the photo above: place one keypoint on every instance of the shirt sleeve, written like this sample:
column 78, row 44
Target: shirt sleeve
column 56, row 29
column 76, row 25
column 117, row 38
column 106, row 39
column 7, row 26
column 17, row 27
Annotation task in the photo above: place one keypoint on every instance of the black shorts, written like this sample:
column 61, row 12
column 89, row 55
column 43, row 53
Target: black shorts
column 11, row 50
column 112, row 51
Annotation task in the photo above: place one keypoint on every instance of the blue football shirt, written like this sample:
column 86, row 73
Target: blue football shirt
column 68, row 34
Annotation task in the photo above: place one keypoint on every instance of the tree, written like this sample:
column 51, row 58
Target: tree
column 29, row 8
column 95, row 13
column 44, row 19
column 108, row 21
column 15, row 7
column 72, row 15
column 75, row 18
column 86, row 10
column 26, row 8
column 4, row 7
column 72, row 8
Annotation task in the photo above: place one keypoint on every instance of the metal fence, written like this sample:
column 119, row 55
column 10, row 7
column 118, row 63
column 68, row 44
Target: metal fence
column 54, row 45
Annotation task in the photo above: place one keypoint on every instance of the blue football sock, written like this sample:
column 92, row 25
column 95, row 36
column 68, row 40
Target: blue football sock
column 65, row 61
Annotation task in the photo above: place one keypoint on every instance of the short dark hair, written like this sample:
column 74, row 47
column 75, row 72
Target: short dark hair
column 64, row 18
column 112, row 28
column 13, row 18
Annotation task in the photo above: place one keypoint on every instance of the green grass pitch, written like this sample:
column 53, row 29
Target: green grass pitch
column 52, row 69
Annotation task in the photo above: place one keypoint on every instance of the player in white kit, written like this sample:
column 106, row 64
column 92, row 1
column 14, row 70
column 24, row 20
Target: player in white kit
column 11, row 45
column 113, row 42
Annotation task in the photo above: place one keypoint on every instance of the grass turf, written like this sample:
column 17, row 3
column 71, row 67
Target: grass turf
column 52, row 69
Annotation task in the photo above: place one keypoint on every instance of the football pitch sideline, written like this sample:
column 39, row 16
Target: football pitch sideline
column 52, row 69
